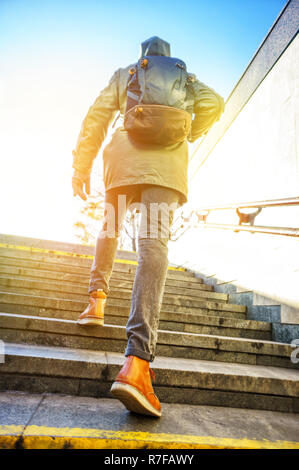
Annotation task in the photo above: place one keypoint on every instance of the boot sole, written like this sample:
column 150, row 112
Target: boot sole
column 91, row 321
column 133, row 399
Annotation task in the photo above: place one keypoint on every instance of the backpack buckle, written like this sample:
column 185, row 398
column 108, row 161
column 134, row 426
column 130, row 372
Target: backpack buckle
column 132, row 71
column 143, row 63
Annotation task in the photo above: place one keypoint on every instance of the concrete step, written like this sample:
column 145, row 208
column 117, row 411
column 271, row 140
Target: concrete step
column 80, row 292
column 205, row 323
column 31, row 305
column 79, row 289
column 53, row 246
column 44, row 302
column 73, row 264
column 66, row 333
column 52, row 421
column 41, row 369
column 119, row 280
column 77, row 274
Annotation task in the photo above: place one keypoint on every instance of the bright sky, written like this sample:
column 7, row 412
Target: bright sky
column 56, row 56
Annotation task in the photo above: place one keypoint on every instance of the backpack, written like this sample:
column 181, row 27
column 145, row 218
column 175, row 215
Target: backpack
column 159, row 101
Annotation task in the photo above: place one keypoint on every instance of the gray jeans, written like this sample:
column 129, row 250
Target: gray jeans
column 151, row 272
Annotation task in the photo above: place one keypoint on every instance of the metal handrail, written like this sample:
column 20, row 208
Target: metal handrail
column 287, row 231
column 245, row 218
column 292, row 201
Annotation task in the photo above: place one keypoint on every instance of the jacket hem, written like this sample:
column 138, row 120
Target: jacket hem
column 183, row 195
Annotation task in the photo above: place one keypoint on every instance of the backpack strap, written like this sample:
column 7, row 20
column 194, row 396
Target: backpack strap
column 130, row 94
column 142, row 65
column 133, row 96
column 141, row 81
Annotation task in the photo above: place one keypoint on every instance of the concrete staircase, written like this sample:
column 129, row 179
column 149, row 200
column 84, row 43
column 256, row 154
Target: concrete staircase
column 208, row 352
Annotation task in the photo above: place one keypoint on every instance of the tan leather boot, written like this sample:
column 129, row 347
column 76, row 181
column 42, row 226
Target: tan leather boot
column 94, row 312
column 133, row 387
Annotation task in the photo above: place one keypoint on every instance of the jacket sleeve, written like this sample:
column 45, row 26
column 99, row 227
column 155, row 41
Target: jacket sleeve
column 95, row 125
column 208, row 107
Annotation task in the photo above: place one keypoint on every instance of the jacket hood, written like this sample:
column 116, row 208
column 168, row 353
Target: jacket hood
column 155, row 46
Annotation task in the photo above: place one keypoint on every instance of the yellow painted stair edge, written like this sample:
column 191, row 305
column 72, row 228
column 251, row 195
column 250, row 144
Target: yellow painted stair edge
column 42, row 437
column 75, row 255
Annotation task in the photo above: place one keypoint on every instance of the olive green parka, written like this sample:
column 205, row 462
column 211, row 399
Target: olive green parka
column 127, row 162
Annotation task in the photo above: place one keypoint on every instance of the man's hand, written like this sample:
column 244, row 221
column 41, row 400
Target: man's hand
column 81, row 181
